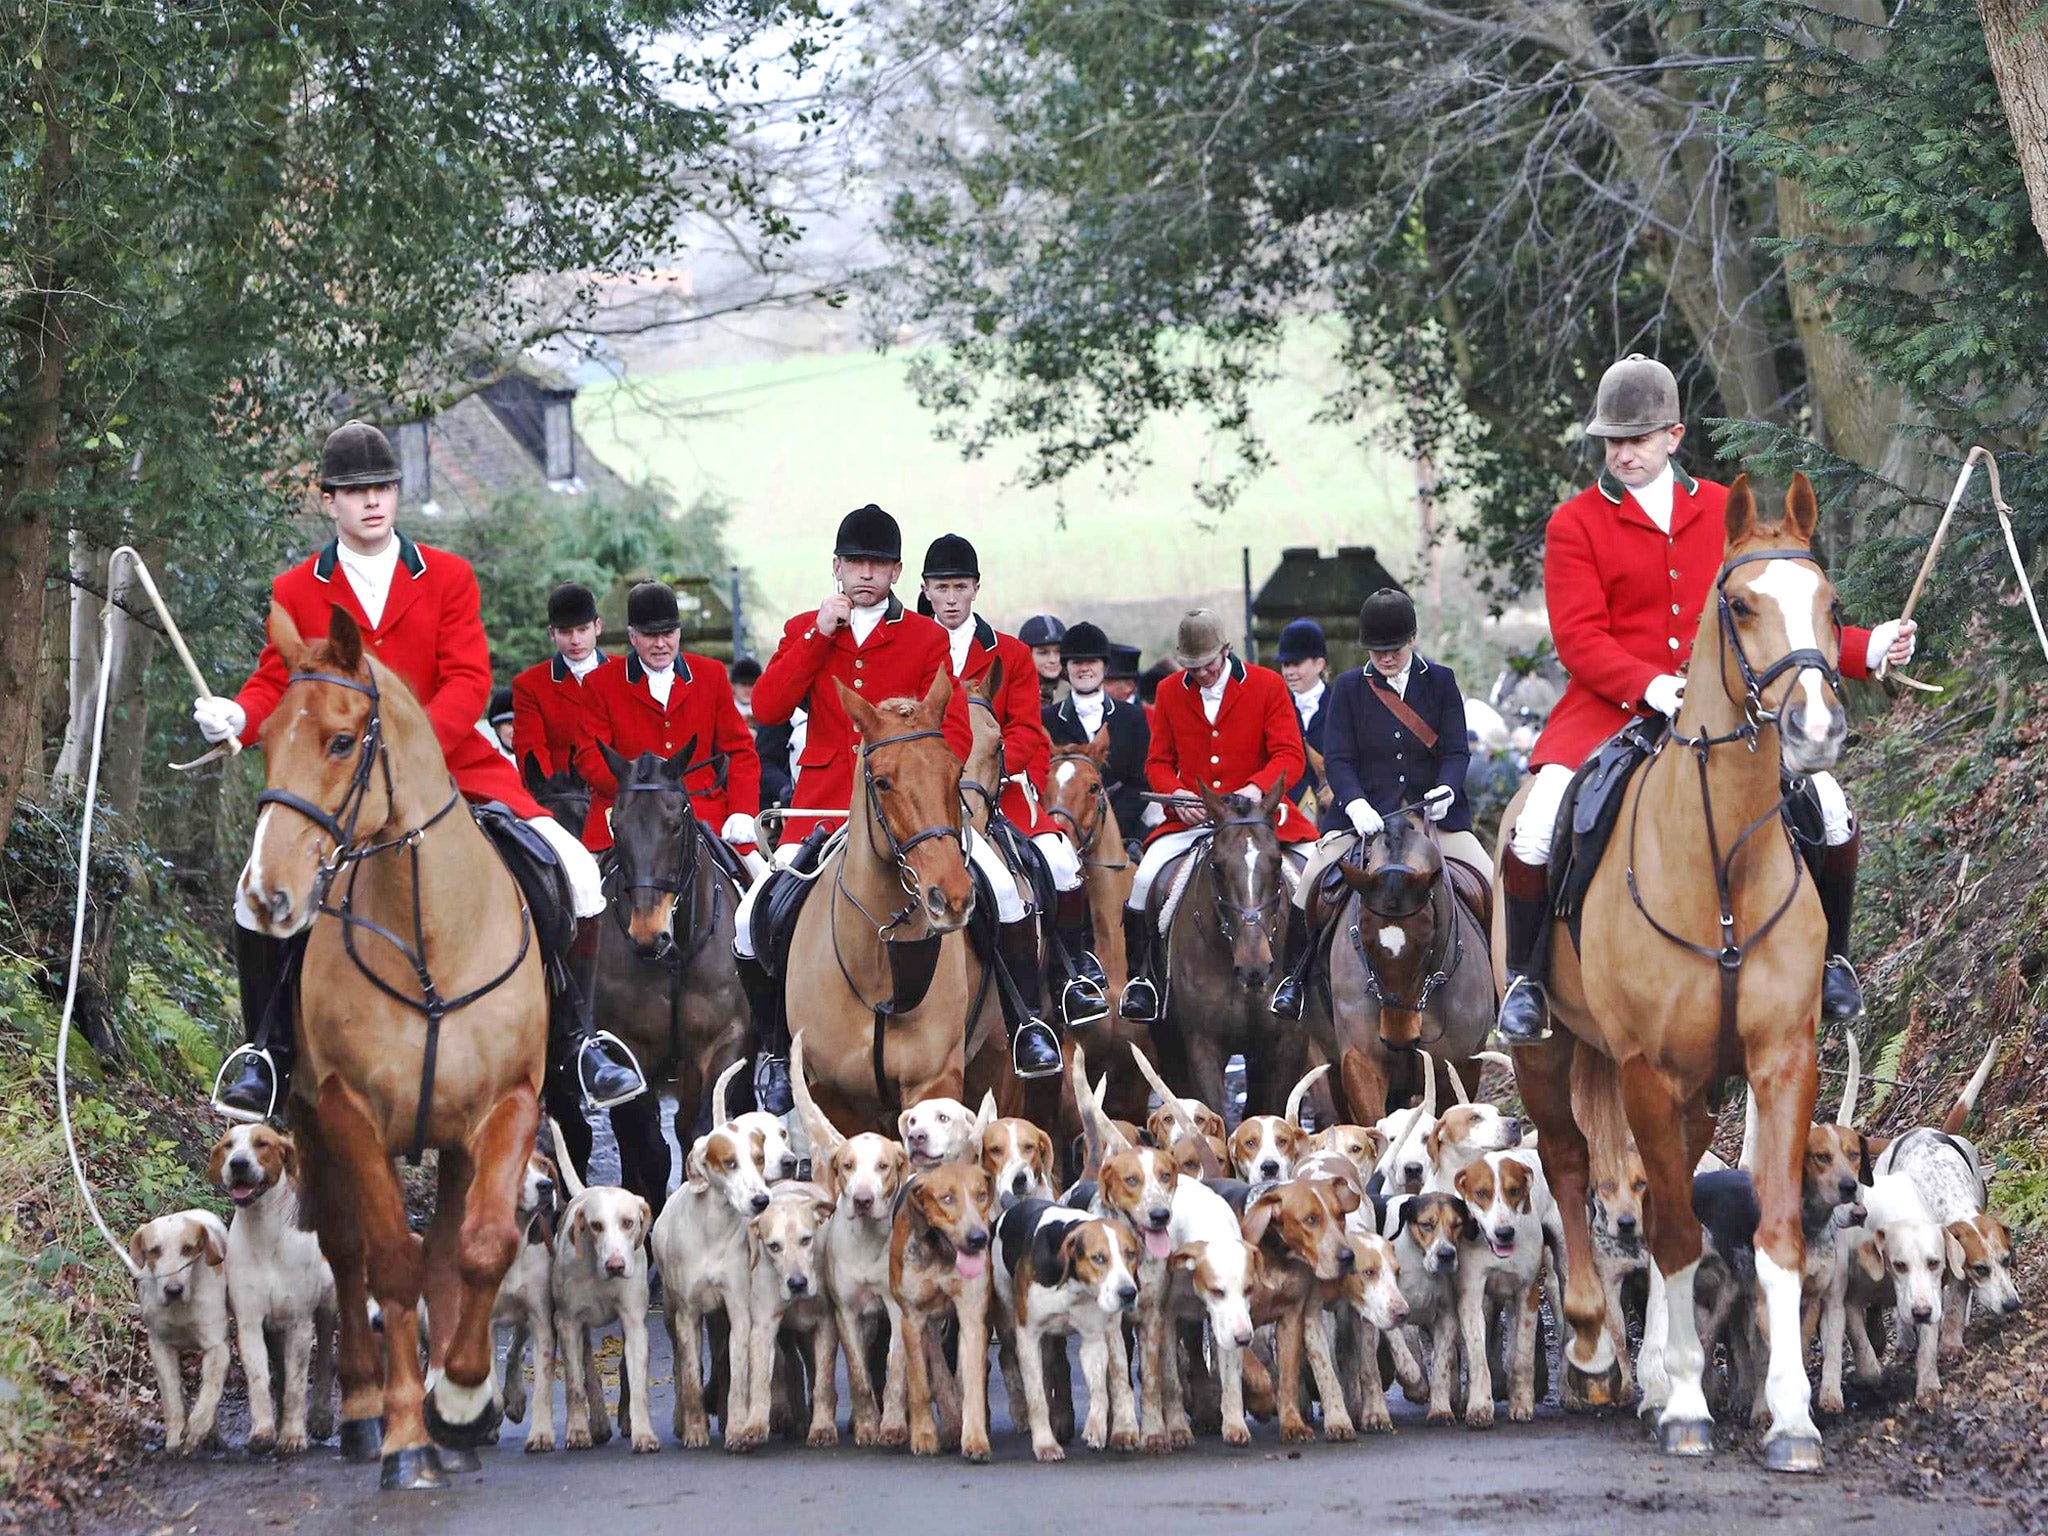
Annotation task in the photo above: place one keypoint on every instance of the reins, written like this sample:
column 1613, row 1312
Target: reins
column 348, row 855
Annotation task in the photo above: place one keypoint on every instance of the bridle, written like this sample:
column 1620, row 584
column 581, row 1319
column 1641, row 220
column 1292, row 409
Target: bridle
column 1438, row 966
column 350, row 855
column 899, row 848
column 684, row 880
column 1098, row 795
column 1265, row 915
column 1730, row 954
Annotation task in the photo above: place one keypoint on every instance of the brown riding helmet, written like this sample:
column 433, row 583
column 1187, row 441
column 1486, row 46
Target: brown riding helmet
column 1199, row 640
column 1637, row 395
column 356, row 453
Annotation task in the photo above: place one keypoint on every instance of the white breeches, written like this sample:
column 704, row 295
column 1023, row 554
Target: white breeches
column 1158, row 854
column 586, row 883
column 1010, row 906
column 743, row 916
column 1060, row 857
column 1332, row 846
column 1533, row 828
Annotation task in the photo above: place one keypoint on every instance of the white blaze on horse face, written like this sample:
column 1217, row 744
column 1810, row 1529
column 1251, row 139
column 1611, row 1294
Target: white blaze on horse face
column 1063, row 775
column 1251, row 871
column 1792, row 584
column 1393, row 941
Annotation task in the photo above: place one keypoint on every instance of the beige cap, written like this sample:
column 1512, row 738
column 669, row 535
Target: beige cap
column 1637, row 395
column 1199, row 640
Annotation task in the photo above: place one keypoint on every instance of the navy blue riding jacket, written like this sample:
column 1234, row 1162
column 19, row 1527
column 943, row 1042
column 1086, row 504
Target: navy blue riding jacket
column 1371, row 755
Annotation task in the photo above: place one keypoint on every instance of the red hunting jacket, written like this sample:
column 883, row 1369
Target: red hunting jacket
column 619, row 710
column 1026, row 747
column 431, row 634
column 1625, row 600
column 902, row 656
column 547, row 711
column 1256, row 739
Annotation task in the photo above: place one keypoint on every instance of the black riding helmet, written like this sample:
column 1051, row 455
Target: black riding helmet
column 1386, row 620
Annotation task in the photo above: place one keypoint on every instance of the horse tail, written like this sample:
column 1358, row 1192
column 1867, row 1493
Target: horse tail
column 1846, row 1115
column 1300, row 1092
column 1967, row 1099
column 823, row 1134
column 564, row 1164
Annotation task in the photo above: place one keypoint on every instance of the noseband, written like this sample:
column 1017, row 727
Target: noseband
column 899, row 848
column 1804, row 659
column 1098, row 795
column 1261, row 916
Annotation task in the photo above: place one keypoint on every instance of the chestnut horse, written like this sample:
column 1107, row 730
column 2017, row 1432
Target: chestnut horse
column 1079, row 800
column 900, row 876
column 1700, row 956
column 422, row 1022
column 1410, row 976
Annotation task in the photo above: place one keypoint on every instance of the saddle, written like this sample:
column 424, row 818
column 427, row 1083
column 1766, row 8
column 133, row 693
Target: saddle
column 542, row 880
column 782, row 900
column 1592, row 806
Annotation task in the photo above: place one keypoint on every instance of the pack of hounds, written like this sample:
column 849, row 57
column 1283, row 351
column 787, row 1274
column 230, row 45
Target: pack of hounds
column 1209, row 1279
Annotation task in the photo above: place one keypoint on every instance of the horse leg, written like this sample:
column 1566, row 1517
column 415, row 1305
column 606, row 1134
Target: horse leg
column 1205, row 1073
column 1656, row 1113
column 393, row 1261
column 356, row 1360
column 464, row 1410
column 440, row 1283
column 1783, row 1076
column 1364, row 1081
column 1543, row 1073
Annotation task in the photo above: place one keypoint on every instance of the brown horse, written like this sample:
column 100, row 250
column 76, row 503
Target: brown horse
column 1700, row 959
column 1078, row 799
column 1223, row 945
column 422, row 1023
column 902, row 876
column 667, row 983
column 1410, row 975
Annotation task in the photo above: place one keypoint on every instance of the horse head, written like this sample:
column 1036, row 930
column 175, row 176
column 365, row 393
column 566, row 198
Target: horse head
column 563, row 794
column 911, row 812
column 1075, row 793
column 984, row 771
column 320, row 747
column 1404, row 864
column 1779, row 628
column 654, row 841
column 1244, row 864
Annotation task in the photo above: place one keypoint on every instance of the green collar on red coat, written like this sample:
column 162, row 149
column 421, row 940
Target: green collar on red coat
column 558, row 669
column 1614, row 490
column 1187, row 675
column 636, row 674
column 329, row 557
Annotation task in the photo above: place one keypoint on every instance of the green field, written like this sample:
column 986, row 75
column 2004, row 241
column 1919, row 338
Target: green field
column 791, row 445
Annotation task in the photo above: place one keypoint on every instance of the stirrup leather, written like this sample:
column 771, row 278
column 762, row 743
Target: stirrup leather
column 583, row 1046
column 232, row 1112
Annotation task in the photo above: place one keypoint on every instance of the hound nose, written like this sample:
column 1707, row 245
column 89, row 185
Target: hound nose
column 1346, row 1259
column 1446, row 1254
column 1625, row 1225
column 1411, row 1171
column 1021, row 1184
column 2012, row 1304
column 1923, row 1313
column 1504, row 1235
column 1845, row 1190
column 1513, row 1130
column 761, row 1201
column 1398, row 1312
column 174, row 1290
column 789, row 1165
column 798, row 1284
column 976, row 1240
column 1127, row 1294
column 615, row 1266
column 863, row 1203
column 1158, row 1215
column 1270, row 1169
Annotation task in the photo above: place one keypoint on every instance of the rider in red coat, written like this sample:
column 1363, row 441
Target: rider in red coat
column 1628, row 565
column 547, row 698
column 418, row 610
column 1220, row 725
column 952, row 581
column 662, row 699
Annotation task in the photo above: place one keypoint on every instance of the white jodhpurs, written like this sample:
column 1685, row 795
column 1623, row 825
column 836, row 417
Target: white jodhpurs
column 1158, row 854
column 1010, row 906
column 1835, row 815
column 743, row 915
column 1332, row 846
column 1061, row 859
column 586, row 883
column 1538, row 821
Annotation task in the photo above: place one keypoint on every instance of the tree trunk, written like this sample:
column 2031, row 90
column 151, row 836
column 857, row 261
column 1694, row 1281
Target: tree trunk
column 2019, row 62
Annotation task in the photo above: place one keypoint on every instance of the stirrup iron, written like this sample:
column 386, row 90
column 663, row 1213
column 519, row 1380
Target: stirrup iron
column 232, row 1112
column 590, row 1100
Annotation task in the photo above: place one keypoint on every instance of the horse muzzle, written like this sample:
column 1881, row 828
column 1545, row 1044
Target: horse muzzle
column 273, row 909
column 1810, row 738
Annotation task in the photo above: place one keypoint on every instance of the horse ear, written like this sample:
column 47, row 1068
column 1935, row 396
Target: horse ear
column 1802, row 508
column 1741, row 511
column 529, row 770
column 1098, row 745
column 344, row 639
column 936, row 698
column 681, row 760
column 866, row 723
column 284, row 634
column 1218, row 810
column 621, row 769
column 995, row 677
column 1269, row 802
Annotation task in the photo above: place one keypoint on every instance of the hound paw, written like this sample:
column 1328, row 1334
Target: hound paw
column 1381, row 1423
column 261, row 1442
column 1521, row 1413
column 1237, row 1434
column 1156, row 1445
column 1295, row 1431
column 538, row 1444
column 924, row 1442
column 1931, row 1398
column 1479, row 1416
column 1052, row 1450
column 577, row 1439
column 894, row 1436
column 974, row 1448
column 292, row 1444
column 1440, row 1416
column 1828, row 1401
column 823, row 1435
column 646, row 1445
column 1123, row 1440
column 1339, row 1429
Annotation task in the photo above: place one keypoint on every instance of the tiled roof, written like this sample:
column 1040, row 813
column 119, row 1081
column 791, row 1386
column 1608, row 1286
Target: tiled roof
column 474, row 459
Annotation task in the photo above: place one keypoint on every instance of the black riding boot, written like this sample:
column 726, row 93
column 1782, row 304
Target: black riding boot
column 1834, row 876
column 1141, row 992
column 263, row 1066
column 597, row 1064
column 1034, row 1044
column 1084, row 997
column 1525, row 1011
column 771, row 1039
column 1292, row 992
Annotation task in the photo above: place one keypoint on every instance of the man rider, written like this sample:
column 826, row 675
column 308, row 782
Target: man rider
column 547, row 698
column 1089, row 706
column 419, row 612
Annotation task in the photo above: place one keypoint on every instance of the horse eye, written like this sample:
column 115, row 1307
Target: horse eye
column 882, row 785
column 1740, row 607
column 341, row 746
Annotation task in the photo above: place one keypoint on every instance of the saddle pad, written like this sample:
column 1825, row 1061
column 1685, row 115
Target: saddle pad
column 1179, row 871
column 782, row 899
column 539, row 872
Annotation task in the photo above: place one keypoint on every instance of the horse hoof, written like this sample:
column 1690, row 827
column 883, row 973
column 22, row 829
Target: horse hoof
column 1584, row 1389
column 463, row 1437
column 362, row 1440
column 1687, row 1437
column 412, row 1470
column 455, row 1459
column 1793, row 1453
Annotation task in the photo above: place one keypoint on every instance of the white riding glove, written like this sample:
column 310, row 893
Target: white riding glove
column 1364, row 819
column 1437, row 803
column 219, row 719
column 1664, row 694
column 739, row 828
column 1888, row 634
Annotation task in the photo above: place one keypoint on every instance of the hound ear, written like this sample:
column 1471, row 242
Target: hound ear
column 344, row 639
column 1346, row 1195
column 216, row 1241
column 1863, row 1160
column 825, row 1172
column 284, row 634
column 529, row 771
column 1802, row 508
column 1741, row 510
column 215, row 1162
column 620, row 768
column 646, row 1213
column 291, row 1157
column 1958, row 1260
column 578, row 1227
column 903, row 1127
column 1260, row 1216
column 135, row 1248
column 1871, row 1257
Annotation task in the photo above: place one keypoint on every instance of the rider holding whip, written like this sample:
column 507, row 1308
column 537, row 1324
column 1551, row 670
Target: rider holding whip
column 1628, row 565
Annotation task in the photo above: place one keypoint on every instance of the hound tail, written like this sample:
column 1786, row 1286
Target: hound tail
column 1846, row 1116
column 1967, row 1100
column 1308, row 1081
column 823, row 1134
column 564, row 1164
column 720, row 1109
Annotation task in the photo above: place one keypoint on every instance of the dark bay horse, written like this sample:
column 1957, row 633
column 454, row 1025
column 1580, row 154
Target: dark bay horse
column 563, row 794
column 1699, row 961
column 1223, row 946
column 667, row 983
column 1411, row 978
column 422, row 1022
